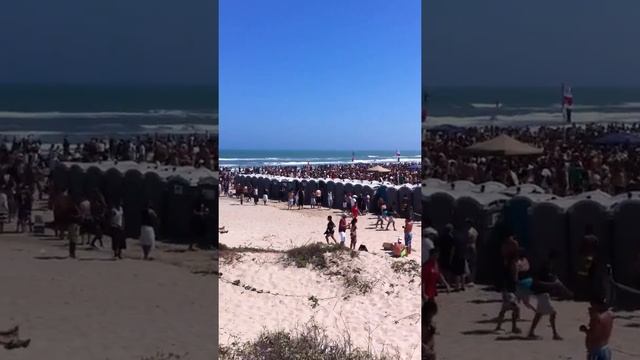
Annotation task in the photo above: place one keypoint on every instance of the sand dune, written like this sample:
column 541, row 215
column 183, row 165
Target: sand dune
column 278, row 296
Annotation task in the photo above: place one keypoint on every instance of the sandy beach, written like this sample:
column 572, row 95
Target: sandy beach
column 277, row 295
column 97, row 308
column 465, row 331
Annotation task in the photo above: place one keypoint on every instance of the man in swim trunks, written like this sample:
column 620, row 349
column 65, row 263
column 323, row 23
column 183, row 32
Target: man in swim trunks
column 408, row 235
column 599, row 330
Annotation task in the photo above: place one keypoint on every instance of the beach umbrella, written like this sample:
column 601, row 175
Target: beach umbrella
column 379, row 169
column 503, row 145
column 618, row 139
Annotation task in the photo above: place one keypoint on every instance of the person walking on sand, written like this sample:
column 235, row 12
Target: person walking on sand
column 290, row 199
column 353, row 232
column 381, row 215
column 408, row 233
column 330, row 199
column 98, row 210
column 342, row 229
column 118, row 241
column 354, row 209
column 4, row 209
column 390, row 220
column 256, row 198
column 148, row 222
column 544, row 283
column 509, row 299
column 598, row 332
column 312, row 201
column 265, row 197
column 331, row 227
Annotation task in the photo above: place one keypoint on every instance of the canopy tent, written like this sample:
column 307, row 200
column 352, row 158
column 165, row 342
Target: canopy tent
column 503, row 145
column 618, row 139
column 379, row 169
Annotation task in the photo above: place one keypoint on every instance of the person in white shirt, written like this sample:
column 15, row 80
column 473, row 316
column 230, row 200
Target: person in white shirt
column 118, row 240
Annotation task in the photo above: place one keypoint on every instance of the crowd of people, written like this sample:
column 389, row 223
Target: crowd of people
column 572, row 161
column 166, row 149
column 398, row 173
column 25, row 175
column 452, row 257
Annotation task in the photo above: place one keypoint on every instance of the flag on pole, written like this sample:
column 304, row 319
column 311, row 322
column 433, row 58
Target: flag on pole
column 398, row 155
column 567, row 102
column 353, row 156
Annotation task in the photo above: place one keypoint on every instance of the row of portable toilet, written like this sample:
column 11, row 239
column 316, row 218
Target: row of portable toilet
column 278, row 189
column 173, row 198
column 543, row 224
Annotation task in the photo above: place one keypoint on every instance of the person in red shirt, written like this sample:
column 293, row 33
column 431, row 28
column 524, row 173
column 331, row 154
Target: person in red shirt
column 431, row 275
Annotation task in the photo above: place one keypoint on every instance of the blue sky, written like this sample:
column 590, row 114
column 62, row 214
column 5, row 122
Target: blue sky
column 320, row 74
column 533, row 43
column 109, row 41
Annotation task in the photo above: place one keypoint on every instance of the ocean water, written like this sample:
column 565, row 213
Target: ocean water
column 473, row 106
column 251, row 158
column 50, row 112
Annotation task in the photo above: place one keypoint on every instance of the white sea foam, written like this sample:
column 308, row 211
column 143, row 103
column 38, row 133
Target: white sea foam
column 485, row 106
column 101, row 115
column 536, row 118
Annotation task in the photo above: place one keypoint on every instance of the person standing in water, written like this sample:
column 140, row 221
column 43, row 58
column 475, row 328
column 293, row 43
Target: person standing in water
column 148, row 222
column 331, row 227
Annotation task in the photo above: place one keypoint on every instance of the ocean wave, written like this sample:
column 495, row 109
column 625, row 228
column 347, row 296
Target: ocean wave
column 484, row 106
column 102, row 115
column 535, row 118
column 181, row 128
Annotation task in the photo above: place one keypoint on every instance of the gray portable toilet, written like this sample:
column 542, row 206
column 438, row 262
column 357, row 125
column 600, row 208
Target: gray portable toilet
column 439, row 207
column 549, row 233
column 179, row 208
column 275, row 190
column 113, row 180
column 132, row 202
column 208, row 193
column 584, row 213
column 60, row 176
column 348, row 189
column 417, row 199
column 402, row 192
column 392, row 198
column 310, row 191
column 357, row 189
column 625, row 244
column 338, row 196
column 93, row 180
column 76, row 183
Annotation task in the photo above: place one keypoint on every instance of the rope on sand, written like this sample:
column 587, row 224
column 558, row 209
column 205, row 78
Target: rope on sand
column 234, row 283
column 623, row 287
